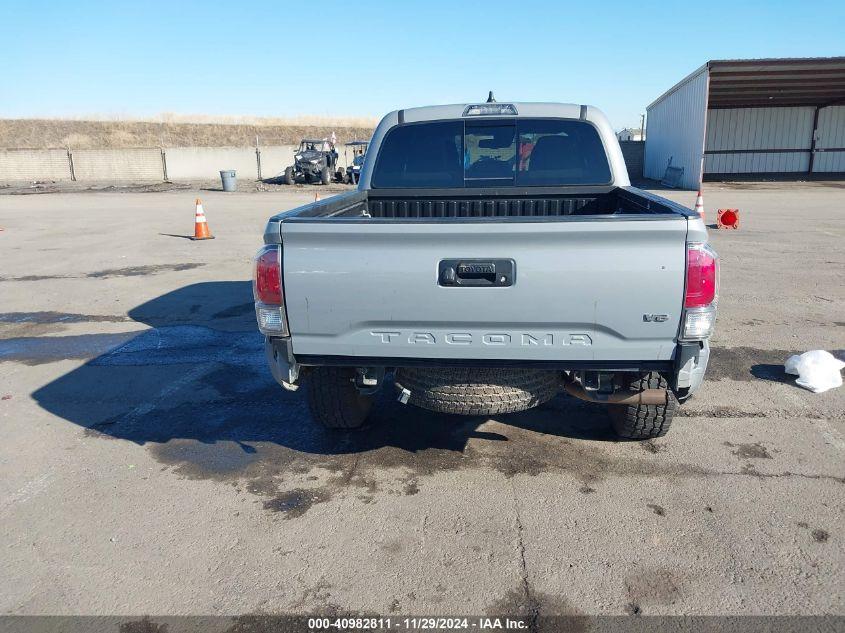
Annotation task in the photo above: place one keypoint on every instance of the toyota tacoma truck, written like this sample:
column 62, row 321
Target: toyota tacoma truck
column 492, row 256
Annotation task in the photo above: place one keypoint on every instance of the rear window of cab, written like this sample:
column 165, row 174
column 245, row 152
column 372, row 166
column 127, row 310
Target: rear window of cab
column 491, row 153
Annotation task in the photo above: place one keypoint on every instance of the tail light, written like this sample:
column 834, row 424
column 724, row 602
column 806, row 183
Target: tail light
column 268, row 291
column 702, row 292
column 702, row 276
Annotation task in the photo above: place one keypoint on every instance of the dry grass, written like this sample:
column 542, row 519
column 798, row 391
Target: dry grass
column 297, row 121
column 171, row 130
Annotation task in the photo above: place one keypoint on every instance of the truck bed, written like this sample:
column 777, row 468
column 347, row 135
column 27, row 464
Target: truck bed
column 363, row 276
column 489, row 204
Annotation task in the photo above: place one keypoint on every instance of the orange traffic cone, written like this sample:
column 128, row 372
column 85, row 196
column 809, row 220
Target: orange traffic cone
column 201, row 231
column 699, row 205
column 316, row 197
column 727, row 219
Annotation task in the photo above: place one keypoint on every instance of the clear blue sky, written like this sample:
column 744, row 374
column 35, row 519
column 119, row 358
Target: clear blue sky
column 292, row 57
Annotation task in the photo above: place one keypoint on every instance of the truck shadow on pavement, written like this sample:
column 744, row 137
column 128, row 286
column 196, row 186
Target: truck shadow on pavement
column 196, row 391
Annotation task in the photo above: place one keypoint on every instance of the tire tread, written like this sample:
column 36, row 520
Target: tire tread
column 641, row 421
column 465, row 391
column 333, row 399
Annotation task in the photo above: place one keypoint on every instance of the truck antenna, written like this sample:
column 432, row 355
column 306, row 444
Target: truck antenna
column 490, row 98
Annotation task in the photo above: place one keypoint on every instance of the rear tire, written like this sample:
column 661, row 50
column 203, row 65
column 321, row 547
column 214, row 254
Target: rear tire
column 466, row 391
column 641, row 421
column 289, row 179
column 333, row 399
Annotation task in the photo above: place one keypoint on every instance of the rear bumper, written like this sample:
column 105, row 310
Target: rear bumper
column 687, row 367
column 362, row 361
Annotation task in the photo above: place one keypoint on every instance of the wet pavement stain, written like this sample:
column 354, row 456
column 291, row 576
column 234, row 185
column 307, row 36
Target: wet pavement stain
column 43, row 318
column 749, row 451
column 295, row 503
column 688, row 411
column 745, row 363
column 177, row 344
column 543, row 611
column 222, row 458
column 259, row 438
column 142, row 271
column 206, row 407
column 650, row 446
column 295, row 619
column 37, row 350
column 144, row 625
column 411, row 487
column 130, row 271
column 655, row 586
column 819, row 535
column 658, row 510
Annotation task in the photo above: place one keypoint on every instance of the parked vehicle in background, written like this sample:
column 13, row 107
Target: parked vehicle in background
column 493, row 255
column 314, row 161
column 353, row 170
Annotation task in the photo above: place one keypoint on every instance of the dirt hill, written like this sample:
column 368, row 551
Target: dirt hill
column 77, row 134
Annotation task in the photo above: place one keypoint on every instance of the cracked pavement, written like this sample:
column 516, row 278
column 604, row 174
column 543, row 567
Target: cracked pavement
column 150, row 465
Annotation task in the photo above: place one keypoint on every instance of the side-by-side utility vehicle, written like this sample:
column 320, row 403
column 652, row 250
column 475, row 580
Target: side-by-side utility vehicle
column 314, row 161
column 493, row 255
column 353, row 170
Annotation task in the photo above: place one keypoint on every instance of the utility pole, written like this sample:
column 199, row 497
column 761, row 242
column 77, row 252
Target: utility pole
column 257, row 157
column 642, row 126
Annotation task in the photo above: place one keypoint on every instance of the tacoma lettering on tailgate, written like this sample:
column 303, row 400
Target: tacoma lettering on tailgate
column 492, row 338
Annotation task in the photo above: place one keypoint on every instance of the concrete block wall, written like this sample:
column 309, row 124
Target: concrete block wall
column 275, row 159
column 34, row 164
column 131, row 165
column 634, row 153
column 205, row 163
column 148, row 164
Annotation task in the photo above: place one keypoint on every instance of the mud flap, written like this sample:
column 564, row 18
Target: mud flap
column 690, row 365
column 282, row 363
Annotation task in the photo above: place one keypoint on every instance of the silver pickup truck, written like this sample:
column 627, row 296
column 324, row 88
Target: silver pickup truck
column 493, row 255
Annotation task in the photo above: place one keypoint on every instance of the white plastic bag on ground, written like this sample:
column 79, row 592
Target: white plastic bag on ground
column 817, row 370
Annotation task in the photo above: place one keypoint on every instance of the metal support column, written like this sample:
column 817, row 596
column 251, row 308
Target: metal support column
column 258, row 157
column 813, row 140
column 164, row 165
column 70, row 164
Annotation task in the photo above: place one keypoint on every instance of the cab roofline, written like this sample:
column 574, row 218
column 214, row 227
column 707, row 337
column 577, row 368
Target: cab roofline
column 524, row 110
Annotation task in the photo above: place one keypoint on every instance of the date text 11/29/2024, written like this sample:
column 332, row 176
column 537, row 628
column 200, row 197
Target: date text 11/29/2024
column 417, row 623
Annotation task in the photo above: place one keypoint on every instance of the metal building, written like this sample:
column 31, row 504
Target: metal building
column 735, row 119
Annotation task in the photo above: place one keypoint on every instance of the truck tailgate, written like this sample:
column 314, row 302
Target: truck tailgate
column 593, row 290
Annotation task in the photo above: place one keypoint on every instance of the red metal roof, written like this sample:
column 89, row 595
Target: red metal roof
column 815, row 81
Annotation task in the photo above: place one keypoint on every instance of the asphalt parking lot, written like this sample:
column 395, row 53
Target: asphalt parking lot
column 150, row 465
